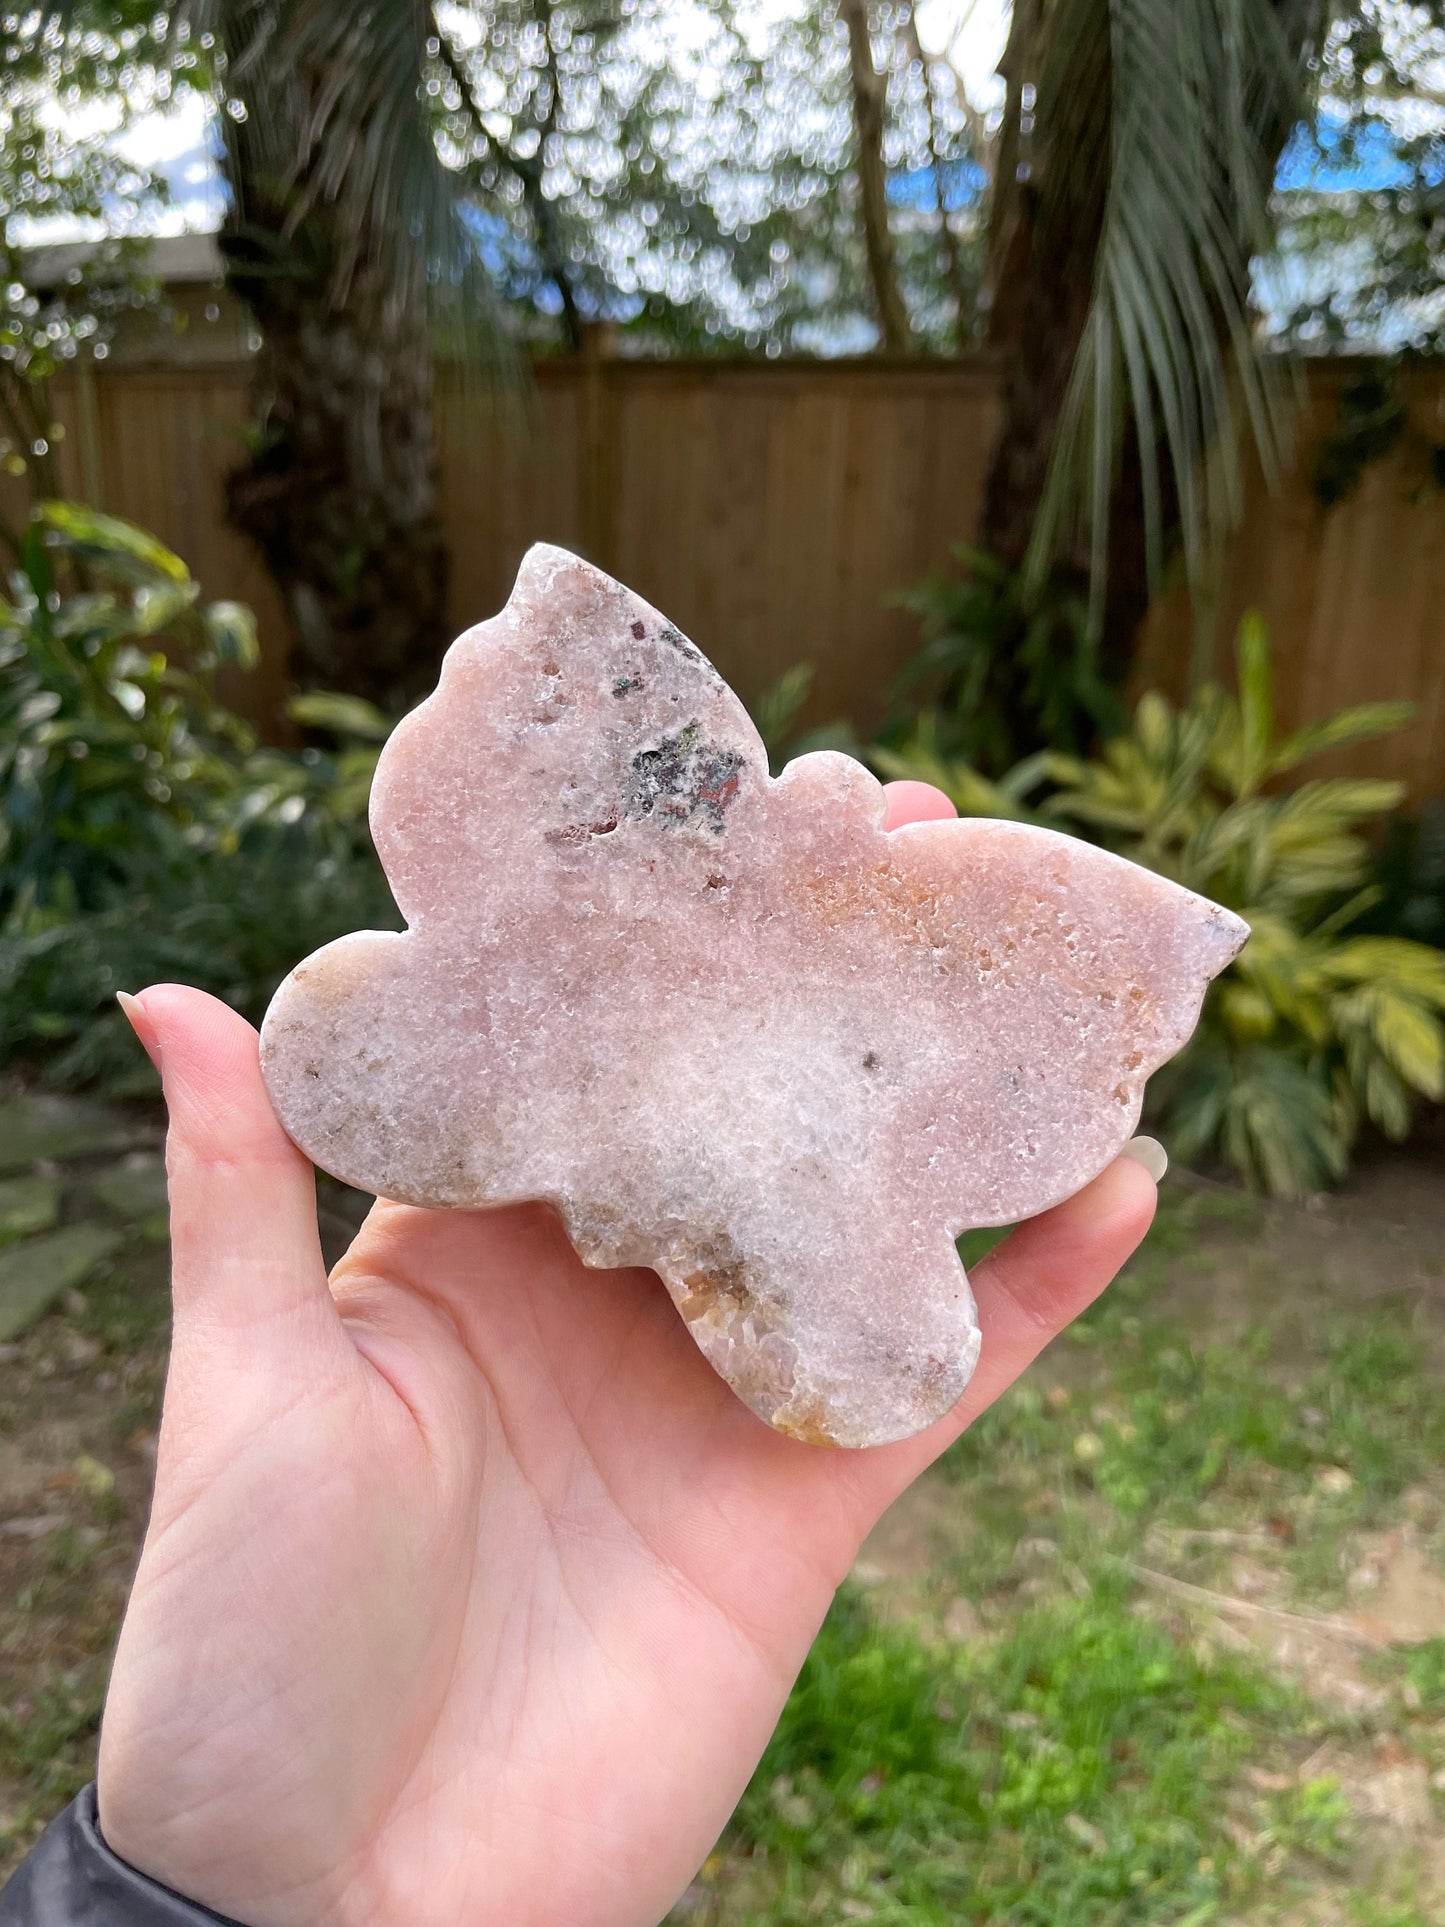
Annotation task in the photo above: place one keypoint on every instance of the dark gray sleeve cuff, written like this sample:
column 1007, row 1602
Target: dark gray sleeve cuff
column 70, row 1878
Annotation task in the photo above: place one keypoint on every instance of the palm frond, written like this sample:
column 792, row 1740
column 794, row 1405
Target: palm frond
column 330, row 104
column 1200, row 95
column 339, row 95
column 1356, row 725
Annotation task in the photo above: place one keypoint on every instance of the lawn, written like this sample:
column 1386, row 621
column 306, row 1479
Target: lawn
column 1161, row 1641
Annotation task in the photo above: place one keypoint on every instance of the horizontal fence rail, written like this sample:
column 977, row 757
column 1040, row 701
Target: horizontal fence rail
column 775, row 510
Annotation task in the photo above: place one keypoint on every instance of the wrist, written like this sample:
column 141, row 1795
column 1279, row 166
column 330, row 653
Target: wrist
column 71, row 1878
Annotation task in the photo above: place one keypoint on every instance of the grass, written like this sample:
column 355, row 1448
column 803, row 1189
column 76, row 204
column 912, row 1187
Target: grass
column 49, row 1745
column 1014, row 1726
column 1089, row 1752
column 1079, row 1768
column 1310, row 1420
column 1424, row 1678
column 81, row 1401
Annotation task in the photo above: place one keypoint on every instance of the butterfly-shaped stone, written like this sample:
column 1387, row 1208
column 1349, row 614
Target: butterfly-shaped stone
column 726, row 1024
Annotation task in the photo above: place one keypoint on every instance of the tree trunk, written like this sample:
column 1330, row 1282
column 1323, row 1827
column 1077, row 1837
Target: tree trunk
column 1042, row 250
column 528, row 171
column 948, row 240
column 339, row 494
column 339, row 489
column 1045, row 222
column 1128, row 590
column 870, row 107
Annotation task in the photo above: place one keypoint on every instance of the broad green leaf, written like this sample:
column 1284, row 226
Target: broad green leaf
column 231, row 632
column 1027, row 775
column 343, row 715
column 1256, row 700
column 1416, row 967
column 1412, row 1039
column 1386, row 1097
column 1154, row 726
column 1341, row 796
column 157, row 605
column 1355, row 725
column 107, row 538
column 1248, row 1016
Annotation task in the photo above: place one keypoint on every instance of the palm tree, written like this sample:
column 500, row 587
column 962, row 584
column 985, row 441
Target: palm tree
column 355, row 249
column 1131, row 188
column 869, row 94
column 1137, row 154
column 348, row 240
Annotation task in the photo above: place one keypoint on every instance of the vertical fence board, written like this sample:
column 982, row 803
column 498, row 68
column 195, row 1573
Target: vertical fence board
column 774, row 508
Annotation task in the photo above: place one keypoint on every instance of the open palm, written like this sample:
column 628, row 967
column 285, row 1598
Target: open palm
column 470, row 1594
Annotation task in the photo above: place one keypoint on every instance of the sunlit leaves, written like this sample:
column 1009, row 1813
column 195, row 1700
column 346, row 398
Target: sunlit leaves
column 111, row 734
column 1362, row 261
column 683, row 167
column 64, row 90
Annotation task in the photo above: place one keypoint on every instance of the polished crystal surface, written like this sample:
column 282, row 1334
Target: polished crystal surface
column 726, row 1025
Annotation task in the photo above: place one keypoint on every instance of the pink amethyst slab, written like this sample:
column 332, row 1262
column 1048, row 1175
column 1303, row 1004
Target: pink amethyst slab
column 726, row 1024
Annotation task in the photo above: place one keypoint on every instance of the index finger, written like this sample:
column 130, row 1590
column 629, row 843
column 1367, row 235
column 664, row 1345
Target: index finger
column 910, row 802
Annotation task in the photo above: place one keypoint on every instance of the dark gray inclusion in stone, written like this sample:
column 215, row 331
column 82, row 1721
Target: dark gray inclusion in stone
column 675, row 639
column 681, row 777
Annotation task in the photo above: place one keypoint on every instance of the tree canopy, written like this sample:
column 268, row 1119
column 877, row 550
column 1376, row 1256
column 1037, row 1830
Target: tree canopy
column 785, row 176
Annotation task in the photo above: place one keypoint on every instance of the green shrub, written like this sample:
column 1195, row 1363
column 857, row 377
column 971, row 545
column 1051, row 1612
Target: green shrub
column 1316, row 1026
column 777, row 711
column 998, row 673
column 108, row 723
column 143, row 831
column 1410, row 874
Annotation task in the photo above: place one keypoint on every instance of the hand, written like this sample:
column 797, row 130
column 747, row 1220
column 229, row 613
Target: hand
column 470, row 1595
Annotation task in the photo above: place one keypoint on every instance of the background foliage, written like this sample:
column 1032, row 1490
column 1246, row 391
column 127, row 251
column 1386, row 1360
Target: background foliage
column 697, row 175
column 144, row 833
column 1316, row 1026
column 692, row 177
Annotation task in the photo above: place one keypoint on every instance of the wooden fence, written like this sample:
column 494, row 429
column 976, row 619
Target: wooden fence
column 772, row 509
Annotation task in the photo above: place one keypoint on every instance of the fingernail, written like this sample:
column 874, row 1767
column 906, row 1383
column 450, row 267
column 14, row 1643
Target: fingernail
column 1149, row 1152
column 140, row 1023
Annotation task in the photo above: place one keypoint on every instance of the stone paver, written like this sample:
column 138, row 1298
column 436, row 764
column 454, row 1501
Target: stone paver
column 135, row 1189
column 57, row 1212
column 42, row 1126
column 34, row 1274
column 27, row 1205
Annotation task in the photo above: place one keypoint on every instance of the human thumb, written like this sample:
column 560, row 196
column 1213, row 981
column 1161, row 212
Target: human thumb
column 247, row 1270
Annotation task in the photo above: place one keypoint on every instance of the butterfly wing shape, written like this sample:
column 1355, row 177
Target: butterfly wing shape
column 727, row 1025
